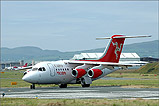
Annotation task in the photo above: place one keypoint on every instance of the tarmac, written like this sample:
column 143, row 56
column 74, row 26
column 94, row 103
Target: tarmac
column 81, row 93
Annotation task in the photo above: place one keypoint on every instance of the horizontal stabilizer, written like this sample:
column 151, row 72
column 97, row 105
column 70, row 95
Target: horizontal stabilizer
column 139, row 36
column 103, row 38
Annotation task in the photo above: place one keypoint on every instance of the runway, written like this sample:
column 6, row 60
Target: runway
column 82, row 93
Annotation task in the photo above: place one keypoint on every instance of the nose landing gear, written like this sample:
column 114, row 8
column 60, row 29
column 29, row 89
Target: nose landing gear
column 32, row 86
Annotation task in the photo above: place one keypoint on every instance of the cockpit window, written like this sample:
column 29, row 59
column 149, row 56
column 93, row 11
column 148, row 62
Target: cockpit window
column 34, row 69
column 42, row 69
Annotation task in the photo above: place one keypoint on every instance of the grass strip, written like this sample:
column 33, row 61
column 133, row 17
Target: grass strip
column 77, row 102
column 100, row 82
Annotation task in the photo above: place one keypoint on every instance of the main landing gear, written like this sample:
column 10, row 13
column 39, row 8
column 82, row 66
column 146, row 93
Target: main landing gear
column 83, row 83
column 32, row 86
column 63, row 85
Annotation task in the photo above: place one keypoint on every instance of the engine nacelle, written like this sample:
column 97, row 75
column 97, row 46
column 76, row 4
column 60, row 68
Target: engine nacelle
column 94, row 73
column 78, row 73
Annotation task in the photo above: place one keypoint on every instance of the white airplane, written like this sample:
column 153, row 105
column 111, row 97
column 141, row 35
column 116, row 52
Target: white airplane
column 21, row 67
column 80, row 71
column 17, row 68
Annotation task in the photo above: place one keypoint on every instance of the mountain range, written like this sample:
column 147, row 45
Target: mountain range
column 28, row 53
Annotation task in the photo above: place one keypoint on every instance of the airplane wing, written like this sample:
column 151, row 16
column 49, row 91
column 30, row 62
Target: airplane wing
column 102, row 63
column 24, row 68
column 134, row 62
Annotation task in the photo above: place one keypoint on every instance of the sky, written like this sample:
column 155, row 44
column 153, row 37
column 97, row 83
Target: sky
column 74, row 25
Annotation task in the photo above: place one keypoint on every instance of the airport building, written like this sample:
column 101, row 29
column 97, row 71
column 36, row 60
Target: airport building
column 11, row 64
column 123, row 56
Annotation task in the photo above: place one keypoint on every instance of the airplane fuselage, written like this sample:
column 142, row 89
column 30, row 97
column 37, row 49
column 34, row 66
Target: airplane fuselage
column 56, row 72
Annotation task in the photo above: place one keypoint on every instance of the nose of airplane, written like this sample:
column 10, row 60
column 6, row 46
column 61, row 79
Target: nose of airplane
column 26, row 78
column 31, row 77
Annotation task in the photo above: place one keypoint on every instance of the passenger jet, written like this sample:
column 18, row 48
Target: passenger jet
column 18, row 68
column 82, row 72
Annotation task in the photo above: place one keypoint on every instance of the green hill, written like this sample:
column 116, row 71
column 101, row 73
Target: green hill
column 150, row 68
column 28, row 53
column 144, row 49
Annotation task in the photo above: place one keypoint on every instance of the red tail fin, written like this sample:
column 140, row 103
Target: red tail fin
column 25, row 65
column 114, row 48
column 113, row 51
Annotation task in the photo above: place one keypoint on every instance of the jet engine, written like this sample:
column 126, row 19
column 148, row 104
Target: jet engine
column 94, row 73
column 78, row 73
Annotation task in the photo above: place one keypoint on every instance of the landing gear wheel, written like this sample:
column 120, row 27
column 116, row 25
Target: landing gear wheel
column 32, row 86
column 85, row 85
column 63, row 85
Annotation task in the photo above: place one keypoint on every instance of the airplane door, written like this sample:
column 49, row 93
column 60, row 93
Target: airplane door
column 52, row 69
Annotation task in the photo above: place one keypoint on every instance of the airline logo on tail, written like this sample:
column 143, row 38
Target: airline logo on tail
column 113, row 50
column 117, row 49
